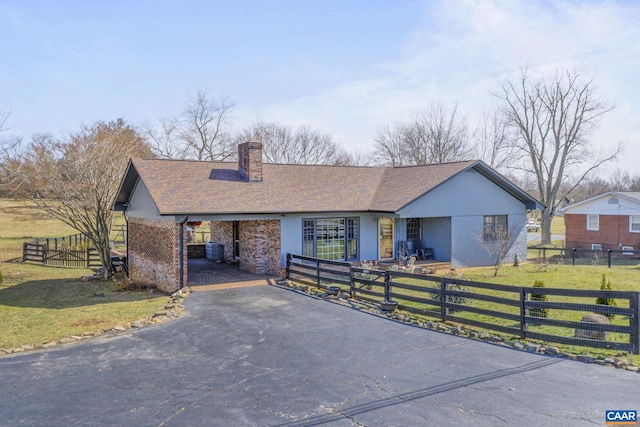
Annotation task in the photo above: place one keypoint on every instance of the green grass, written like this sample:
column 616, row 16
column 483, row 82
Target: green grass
column 39, row 303
column 585, row 277
column 557, row 225
column 557, row 228
column 623, row 278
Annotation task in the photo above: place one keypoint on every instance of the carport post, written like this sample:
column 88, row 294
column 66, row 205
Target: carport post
column 182, row 251
column 288, row 266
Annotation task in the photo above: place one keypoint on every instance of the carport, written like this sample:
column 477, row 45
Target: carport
column 204, row 273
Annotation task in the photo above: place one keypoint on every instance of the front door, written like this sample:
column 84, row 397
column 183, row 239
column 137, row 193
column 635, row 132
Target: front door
column 385, row 238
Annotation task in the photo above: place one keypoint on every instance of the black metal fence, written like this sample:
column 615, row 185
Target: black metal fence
column 546, row 314
column 577, row 256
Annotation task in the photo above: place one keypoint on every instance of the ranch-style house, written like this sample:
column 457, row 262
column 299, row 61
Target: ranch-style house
column 607, row 221
column 260, row 212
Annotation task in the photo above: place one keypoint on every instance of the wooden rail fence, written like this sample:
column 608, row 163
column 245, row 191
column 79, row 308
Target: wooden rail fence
column 546, row 314
column 52, row 253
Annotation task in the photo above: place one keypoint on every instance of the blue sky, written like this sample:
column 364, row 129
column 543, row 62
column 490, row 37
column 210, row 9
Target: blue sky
column 347, row 68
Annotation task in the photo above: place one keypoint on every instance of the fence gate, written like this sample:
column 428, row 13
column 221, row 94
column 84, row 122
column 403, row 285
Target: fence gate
column 60, row 257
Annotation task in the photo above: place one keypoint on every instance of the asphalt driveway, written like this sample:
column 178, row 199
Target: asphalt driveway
column 267, row 356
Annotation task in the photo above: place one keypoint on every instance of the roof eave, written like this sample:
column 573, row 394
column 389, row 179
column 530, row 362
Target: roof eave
column 125, row 190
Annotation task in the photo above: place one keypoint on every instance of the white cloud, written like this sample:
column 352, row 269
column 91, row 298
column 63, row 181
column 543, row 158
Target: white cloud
column 460, row 52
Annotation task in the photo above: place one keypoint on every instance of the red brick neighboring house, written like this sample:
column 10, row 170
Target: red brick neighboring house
column 260, row 212
column 607, row 221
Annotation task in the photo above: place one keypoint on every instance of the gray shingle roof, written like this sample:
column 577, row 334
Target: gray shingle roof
column 193, row 187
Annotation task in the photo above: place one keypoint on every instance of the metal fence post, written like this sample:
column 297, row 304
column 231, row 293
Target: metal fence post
column 609, row 258
column 573, row 251
column 318, row 272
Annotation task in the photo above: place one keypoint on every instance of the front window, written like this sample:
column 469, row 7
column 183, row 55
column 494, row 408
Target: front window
column 593, row 222
column 495, row 227
column 330, row 238
column 634, row 223
column 309, row 237
column 596, row 247
column 413, row 229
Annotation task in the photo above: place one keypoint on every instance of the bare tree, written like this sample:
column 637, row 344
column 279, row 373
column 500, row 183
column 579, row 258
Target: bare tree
column 75, row 180
column 493, row 141
column 497, row 242
column 165, row 141
column 621, row 181
column 552, row 121
column 204, row 131
column 201, row 132
column 358, row 158
column 304, row 146
column 436, row 135
column 9, row 146
column 390, row 146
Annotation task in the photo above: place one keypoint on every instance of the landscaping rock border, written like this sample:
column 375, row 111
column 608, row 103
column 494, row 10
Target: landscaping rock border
column 371, row 308
column 171, row 310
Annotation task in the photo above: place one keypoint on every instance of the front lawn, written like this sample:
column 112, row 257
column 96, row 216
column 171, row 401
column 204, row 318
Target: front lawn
column 40, row 304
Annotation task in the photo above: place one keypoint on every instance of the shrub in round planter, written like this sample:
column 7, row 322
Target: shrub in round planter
column 606, row 286
column 538, row 312
column 389, row 306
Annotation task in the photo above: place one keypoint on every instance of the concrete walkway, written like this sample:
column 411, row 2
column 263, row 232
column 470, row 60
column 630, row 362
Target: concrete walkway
column 266, row 356
column 206, row 274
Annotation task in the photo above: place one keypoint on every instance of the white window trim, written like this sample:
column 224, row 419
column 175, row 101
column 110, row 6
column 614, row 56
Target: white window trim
column 597, row 228
column 631, row 224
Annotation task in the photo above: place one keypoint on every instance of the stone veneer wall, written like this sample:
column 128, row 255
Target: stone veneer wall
column 259, row 244
column 154, row 253
column 222, row 232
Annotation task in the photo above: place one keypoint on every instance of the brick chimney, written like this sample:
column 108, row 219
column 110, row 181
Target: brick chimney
column 250, row 160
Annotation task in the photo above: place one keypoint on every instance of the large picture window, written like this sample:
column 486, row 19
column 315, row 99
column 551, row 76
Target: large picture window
column 495, row 227
column 330, row 238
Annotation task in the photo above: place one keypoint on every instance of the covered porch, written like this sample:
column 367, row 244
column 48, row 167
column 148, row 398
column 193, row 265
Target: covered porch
column 428, row 240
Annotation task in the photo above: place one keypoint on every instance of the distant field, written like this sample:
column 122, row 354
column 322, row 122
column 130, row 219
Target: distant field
column 557, row 225
column 557, row 229
column 22, row 221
